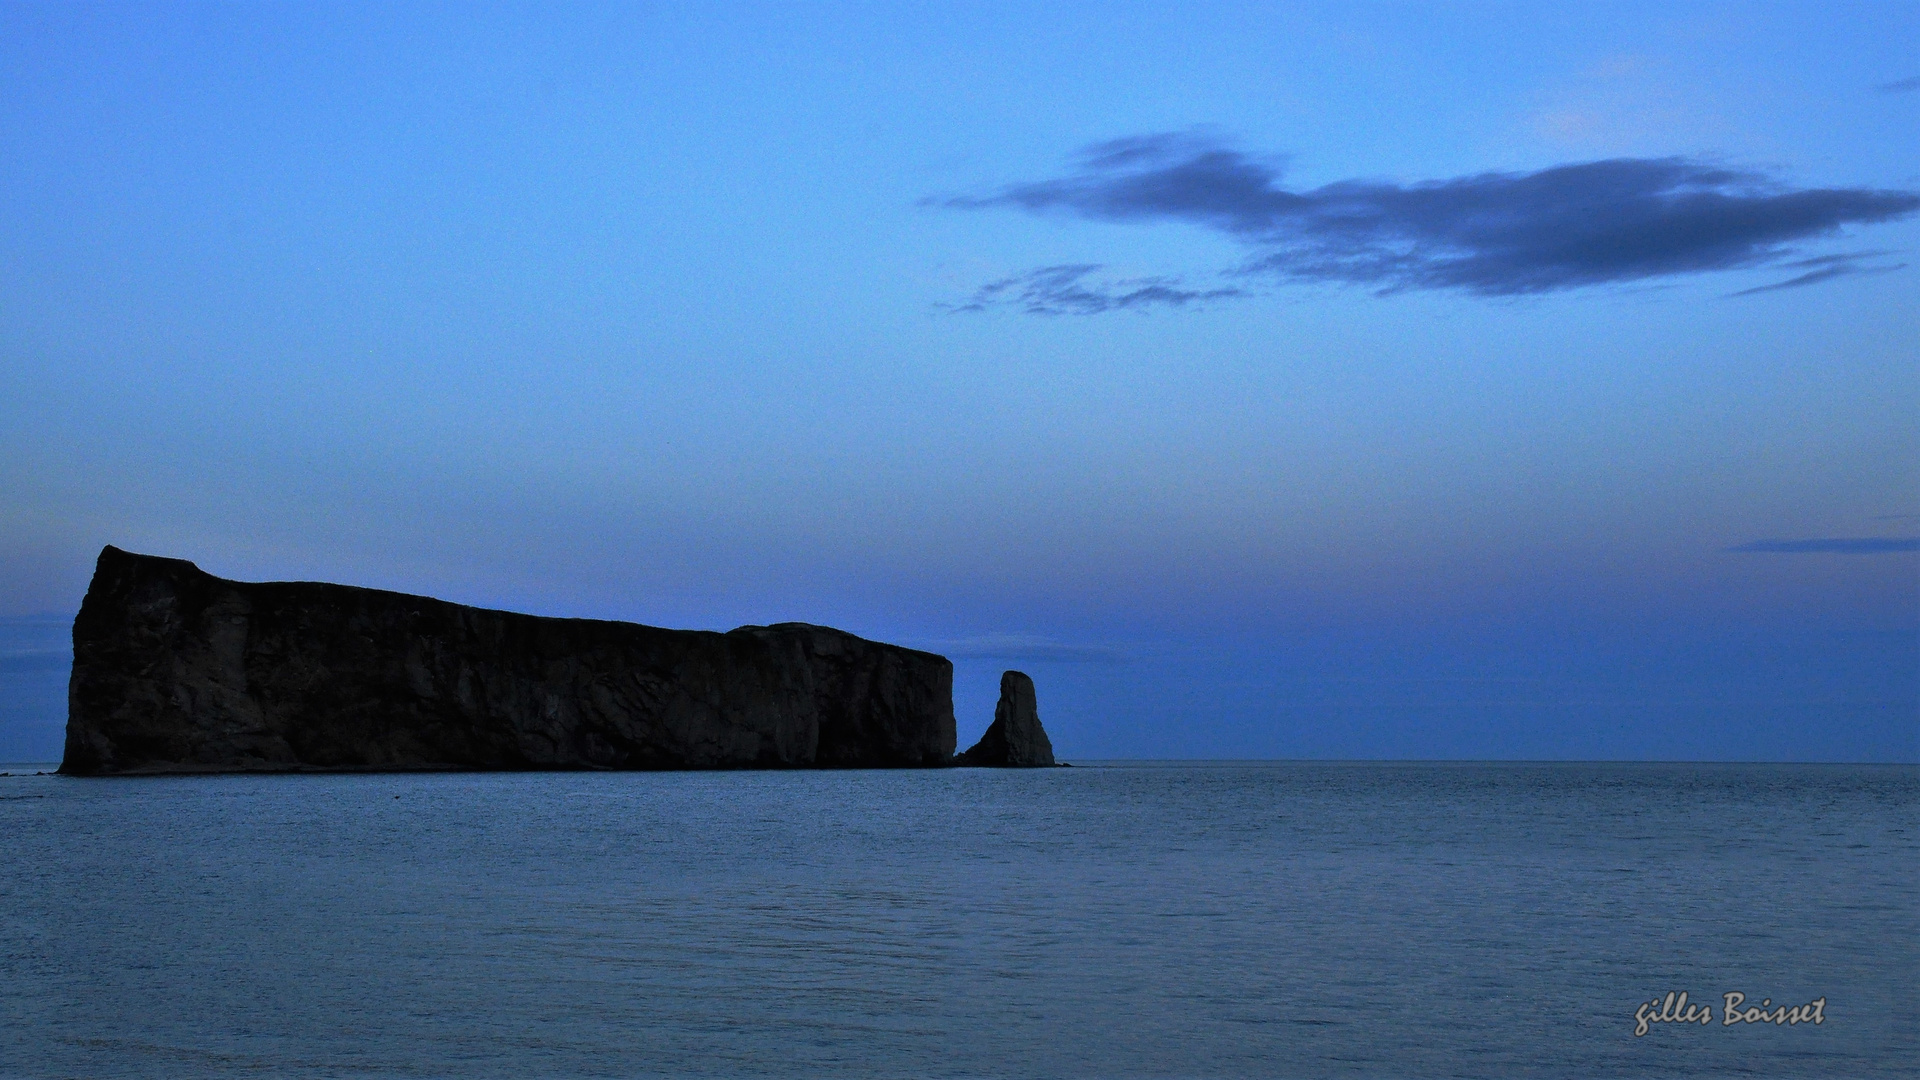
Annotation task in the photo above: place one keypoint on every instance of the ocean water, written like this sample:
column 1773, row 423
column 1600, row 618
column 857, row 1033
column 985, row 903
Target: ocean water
column 1114, row 920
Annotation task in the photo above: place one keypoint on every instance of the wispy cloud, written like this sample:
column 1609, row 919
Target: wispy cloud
column 1900, row 86
column 1490, row 234
column 1023, row 647
column 1067, row 290
column 1825, row 268
column 35, row 643
column 17, row 661
column 1845, row 545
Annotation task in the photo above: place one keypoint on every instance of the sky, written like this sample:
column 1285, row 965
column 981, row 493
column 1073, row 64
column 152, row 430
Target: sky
column 1305, row 381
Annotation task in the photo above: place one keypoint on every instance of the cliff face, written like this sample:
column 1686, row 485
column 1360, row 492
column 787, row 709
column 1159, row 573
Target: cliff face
column 175, row 670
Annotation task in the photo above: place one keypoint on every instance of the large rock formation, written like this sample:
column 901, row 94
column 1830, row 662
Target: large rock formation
column 1015, row 737
column 175, row 670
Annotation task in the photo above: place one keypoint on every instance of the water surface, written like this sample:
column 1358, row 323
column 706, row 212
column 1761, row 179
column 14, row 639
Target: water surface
column 1128, row 920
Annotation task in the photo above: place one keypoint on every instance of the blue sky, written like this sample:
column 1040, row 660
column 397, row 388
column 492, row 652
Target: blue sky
column 1350, row 381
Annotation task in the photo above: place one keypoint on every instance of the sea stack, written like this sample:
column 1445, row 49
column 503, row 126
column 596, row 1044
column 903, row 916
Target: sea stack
column 1015, row 738
column 175, row 670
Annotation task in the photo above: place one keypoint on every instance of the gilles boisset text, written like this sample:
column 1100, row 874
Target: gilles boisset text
column 1673, row 1009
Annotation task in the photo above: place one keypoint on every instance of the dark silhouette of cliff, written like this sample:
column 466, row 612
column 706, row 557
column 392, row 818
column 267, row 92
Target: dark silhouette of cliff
column 175, row 670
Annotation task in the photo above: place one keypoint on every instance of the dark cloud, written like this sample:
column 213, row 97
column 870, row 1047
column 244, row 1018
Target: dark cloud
column 1492, row 234
column 1065, row 290
column 1846, row 545
column 1900, row 86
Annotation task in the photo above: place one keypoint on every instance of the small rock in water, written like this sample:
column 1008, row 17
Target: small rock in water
column 1015, row 737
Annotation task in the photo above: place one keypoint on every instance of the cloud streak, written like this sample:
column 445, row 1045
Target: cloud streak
column 1066, row 290
column 1844, row 545
column 1824, row 268
column 1023, row 647
column 1489, row 234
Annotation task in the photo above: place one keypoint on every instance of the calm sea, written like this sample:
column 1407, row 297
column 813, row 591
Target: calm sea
column 1118, row 920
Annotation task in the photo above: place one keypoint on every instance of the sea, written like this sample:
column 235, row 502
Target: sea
column 1111, row 920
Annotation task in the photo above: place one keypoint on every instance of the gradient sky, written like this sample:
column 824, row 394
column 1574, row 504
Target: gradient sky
column 1464, row 381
